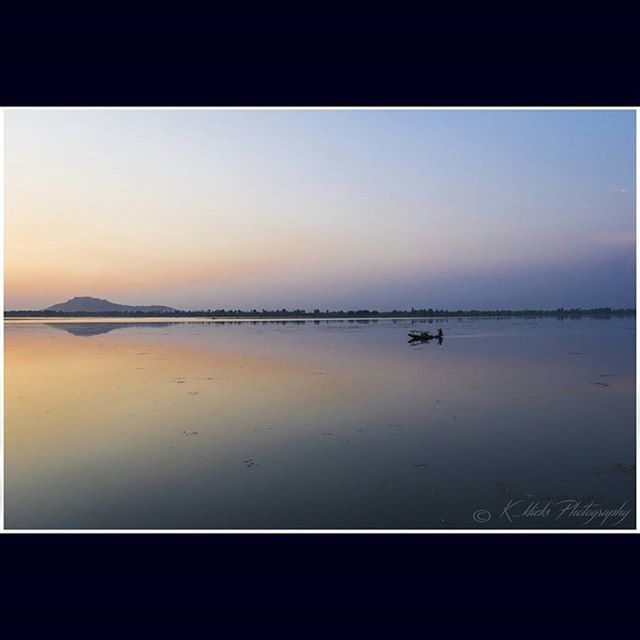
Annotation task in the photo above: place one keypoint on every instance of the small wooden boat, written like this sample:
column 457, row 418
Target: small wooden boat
column 421, row 335
column 425, row 335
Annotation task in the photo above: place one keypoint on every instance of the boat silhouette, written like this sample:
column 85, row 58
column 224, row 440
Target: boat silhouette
column 425, row 336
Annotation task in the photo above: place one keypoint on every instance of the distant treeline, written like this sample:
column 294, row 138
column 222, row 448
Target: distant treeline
column 317, row 313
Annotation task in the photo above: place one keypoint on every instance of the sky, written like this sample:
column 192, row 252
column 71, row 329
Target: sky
column 330, row 209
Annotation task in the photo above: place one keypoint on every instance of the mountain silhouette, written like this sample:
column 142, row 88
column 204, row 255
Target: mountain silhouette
column 98, row 305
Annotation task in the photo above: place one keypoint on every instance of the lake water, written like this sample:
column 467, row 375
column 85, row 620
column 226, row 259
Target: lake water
column 320, row 424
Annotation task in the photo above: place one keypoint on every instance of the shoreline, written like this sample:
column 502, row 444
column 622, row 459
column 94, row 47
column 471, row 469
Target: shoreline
column 257, row 319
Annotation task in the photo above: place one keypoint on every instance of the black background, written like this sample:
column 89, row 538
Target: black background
column 484, row 583
column 525, row 55
column 510, row 583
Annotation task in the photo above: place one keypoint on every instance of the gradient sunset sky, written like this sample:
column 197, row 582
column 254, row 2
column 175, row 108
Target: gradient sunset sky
column 328, row 209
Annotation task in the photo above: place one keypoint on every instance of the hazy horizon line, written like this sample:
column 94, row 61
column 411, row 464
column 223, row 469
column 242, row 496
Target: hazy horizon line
column 317, row 310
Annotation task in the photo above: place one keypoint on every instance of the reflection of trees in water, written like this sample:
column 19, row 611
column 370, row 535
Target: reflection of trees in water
column 86, row 329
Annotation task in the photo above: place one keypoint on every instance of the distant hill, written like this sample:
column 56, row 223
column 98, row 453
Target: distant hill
column 97, row 305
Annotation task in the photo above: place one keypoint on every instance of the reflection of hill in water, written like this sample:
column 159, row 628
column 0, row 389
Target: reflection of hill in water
column 96, row 328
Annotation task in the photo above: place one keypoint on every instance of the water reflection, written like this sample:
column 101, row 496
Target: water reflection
column 320, row 424
column 94, row 328
column 85, row 329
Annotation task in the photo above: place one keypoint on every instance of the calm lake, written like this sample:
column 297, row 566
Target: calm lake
column 509, row 423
